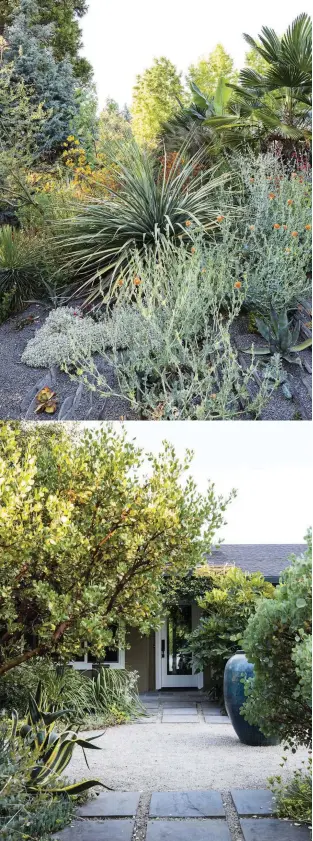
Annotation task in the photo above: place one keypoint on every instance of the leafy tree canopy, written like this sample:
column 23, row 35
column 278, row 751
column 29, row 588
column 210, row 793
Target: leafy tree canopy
column 278, row 641
column 207, row 72
column 66, row 38
column 156, row 97
column 87, row 537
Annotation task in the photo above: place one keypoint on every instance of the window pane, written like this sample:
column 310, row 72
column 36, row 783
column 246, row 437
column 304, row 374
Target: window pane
column 178, row 627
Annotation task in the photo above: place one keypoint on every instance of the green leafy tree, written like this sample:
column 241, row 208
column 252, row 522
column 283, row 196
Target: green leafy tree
column 278, row 642
column 51, row 82
column 66, row 38
column 207, row 72
column 115, row 131
column 226, row 609
column 156, row 97
column 86, row 539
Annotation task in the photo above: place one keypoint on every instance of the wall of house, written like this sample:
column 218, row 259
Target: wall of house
column 141, row 656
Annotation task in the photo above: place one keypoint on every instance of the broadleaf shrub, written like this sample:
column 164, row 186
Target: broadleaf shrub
column 277, row 641
column 226, row 608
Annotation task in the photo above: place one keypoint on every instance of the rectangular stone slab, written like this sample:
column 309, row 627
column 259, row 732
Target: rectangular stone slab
column 97, row 831
column 181, row 711
column 186, row 804
column 217, row 719
column 180, row 719
column 272, row 829
column 249, row 801
column 188, row 831
column 112, row 804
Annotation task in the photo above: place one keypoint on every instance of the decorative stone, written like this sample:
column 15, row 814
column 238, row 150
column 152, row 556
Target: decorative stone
column 272, row 829
column 186, row 804
column 187, row 830
column 249, row 801
column 97, row 831
column 112, row 804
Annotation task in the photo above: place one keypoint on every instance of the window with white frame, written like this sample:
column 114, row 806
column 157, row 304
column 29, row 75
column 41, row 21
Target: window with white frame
column 114, row 658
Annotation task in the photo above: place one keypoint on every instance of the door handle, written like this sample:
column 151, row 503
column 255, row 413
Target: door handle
column 163, row 648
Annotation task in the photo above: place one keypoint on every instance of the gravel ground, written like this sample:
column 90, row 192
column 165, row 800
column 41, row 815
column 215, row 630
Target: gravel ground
column 19, row 383
column 160, row 757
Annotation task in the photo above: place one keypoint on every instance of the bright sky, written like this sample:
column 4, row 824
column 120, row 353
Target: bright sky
column 269, row 463
column 122, row 37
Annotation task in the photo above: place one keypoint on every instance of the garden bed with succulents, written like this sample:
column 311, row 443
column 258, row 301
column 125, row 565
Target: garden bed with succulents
column 33, row 392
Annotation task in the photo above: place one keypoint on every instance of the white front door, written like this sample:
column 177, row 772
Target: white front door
column 174, row 667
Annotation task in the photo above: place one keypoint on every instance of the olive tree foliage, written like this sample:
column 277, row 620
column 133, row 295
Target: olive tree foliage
column 226, row 607
column 278, row 641
column 89, row 527
column 51, row 82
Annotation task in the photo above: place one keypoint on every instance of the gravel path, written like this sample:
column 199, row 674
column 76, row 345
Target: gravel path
column 160, row 757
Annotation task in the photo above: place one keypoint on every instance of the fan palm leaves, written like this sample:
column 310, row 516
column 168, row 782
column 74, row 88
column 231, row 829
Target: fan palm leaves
column 152, row 201
column 281, row 98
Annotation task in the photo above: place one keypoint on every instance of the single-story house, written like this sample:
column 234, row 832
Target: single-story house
column 159, row 658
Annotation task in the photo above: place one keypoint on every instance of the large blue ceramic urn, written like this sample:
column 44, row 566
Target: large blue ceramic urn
column 236, row 669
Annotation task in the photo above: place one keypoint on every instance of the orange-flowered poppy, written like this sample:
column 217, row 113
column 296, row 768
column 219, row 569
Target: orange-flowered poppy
column 308, row 227
column 220, row 218
column 193, row 250
column 290, row 201
column 294, row 233
column 271, row 195
column 120, row 281
column 252, row 227
column 237, row 285
column 276, row 226
column 137, row 281
column 187, row 223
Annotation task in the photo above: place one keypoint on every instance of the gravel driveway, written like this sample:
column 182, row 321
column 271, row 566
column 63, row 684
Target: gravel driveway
column 152, row 756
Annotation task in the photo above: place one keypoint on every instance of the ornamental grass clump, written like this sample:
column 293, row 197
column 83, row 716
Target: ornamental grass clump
column 274, row 231
column 149, row 204
column 170, row 337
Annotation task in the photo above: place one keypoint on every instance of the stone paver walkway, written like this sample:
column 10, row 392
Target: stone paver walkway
column 245, row 815
column 190, row 707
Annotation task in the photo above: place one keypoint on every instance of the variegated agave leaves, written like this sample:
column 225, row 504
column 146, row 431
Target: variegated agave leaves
column 282, row 337
column 152, row 201
column 50, row 751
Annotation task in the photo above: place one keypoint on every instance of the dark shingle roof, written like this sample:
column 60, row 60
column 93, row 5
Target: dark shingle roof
column 269, row 558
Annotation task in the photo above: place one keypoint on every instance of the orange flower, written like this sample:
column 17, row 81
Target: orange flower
column 220, row 218
column 187, row 223
column 137, row 281
column 237, row 285
column 294, row 233
column 308, row 227
column 193, row 250
column 203, row 271
column 290, row 201
column 120, row 281
column 252, row 227
column 276, row 226
column 271, row 196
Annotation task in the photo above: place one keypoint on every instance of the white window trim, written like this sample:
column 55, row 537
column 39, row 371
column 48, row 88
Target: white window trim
column 84, row 665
